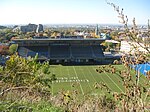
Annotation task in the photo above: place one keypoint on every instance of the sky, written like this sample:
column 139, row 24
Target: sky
column 71, row 11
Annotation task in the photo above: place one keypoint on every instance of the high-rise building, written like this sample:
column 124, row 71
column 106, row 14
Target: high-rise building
column 39, row 28
column 148, row 27
column 29, row 28
column 97, row 30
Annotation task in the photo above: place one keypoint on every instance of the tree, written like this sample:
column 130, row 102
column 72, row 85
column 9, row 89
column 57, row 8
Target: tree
column 23, row 78
column 13, row 48
column 4, row 50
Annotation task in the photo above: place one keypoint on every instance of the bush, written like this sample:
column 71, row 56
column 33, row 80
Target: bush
column 13, row 48
column 24, row 80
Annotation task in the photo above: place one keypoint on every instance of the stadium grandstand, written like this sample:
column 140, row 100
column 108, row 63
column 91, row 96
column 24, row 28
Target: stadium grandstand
column 62, row 49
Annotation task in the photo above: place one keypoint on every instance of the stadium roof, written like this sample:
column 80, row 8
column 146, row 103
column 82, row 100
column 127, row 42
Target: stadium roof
column 59, row 41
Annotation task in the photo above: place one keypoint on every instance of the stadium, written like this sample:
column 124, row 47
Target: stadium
column 62, row 50
column 74, row 51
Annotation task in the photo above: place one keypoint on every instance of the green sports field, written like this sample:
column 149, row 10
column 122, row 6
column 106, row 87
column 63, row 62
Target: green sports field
column 83, row 79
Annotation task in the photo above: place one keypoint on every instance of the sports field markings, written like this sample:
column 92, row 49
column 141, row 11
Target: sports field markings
column 79, row 82
column 115, row 75
column 91, row 74
column 52, row 82
column 121, row 82
column 69, row 76
column 85, row 78
column 133, row 73
column 114, row 82
column 102, row 78
column 93, row 77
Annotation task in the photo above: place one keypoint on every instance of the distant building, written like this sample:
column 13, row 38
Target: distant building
column 132, row 47
column 2, row 27
column 148, row 26
column 29, row 28
column 97, row 31
column 105, row 36
column 112, row 41
column 39, row 28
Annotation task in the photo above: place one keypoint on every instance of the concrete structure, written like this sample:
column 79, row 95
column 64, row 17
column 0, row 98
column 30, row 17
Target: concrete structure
column 39, row 28
column 96, row 31
column 148, row 26
column 29, row 28
column 62, row 49
column 132, row 47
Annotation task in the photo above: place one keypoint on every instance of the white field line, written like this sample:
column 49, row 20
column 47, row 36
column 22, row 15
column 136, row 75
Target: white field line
column 52, row 82
column 85, row 78
column 102, row 79
column 134, row 73
column 116, row 76
column 53, row 69
column 131, row 74
column 79, row 82
column 114, row 83
column 93, row 77
column 118, row 79
column 69, row 77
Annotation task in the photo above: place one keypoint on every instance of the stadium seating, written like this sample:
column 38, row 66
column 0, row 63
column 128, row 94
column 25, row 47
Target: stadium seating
column 81, row 51
column 63, row 51
column 59, row 51
column 42, row 51
column 22, row 51
column 97, row 51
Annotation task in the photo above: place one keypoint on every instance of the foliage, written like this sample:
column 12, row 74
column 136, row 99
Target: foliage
column 13, row 48
column 4, row 50
column 71, row 101
column 2, row 27
column 21, row 72
column 24, row 79
column 28, row 107
column 136, row 95
column 133, row 32
column 6, row 35
column 27, row 80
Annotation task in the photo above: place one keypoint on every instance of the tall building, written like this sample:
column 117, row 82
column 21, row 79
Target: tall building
column 97, row 30
column 39, row 28
column 29, row 28
column 148, row 27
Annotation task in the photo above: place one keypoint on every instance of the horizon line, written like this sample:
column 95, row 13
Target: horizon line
column 4, row 24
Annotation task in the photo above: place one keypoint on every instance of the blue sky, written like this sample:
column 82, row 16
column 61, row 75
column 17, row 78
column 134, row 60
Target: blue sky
column 71, row 11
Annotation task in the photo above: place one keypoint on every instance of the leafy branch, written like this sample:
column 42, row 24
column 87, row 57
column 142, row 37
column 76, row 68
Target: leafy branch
column 133, row 32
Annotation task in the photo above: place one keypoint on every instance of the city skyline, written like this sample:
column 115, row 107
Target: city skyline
column 71, row 11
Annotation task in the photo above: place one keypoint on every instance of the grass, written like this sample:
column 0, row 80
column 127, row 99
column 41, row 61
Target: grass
column 45, row 107
column 42, row 106
column 83, row 78
column 80, row 78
